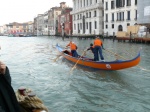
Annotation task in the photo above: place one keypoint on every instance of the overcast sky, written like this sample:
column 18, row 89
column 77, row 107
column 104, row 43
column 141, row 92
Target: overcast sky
column 26, row 10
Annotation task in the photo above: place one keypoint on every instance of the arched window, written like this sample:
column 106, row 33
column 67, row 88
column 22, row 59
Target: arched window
column 120, row 28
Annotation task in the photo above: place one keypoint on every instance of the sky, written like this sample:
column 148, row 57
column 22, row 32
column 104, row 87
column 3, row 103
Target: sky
column 25, row 10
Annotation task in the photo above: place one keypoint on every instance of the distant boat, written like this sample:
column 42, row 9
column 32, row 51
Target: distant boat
column 107, row 65
column 21, row 35
column 11, row 35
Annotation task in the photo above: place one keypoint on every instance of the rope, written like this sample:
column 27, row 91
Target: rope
column 30, row 103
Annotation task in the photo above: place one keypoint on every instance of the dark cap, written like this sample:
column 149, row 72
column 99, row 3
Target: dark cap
column 91, row 44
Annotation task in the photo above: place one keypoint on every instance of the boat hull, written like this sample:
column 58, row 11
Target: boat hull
column 113, row 65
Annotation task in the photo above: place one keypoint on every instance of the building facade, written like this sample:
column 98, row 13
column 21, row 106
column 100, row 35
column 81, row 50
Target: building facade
column 38, row 25
column 65, row 22
column 87, row 17
column 15, row 28
column 45, row 24
column 53, row 18
column 30, row 28
column 118, row 14
column 143, row 12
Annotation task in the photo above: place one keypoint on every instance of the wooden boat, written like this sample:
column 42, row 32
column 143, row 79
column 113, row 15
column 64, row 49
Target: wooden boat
column 107, row 65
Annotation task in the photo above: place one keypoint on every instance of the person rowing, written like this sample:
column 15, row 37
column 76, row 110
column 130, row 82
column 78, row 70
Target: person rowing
column 92, row 49
column 73, row 48
column 98, row 46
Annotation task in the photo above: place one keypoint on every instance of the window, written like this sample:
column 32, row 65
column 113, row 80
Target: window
column 84, row 2
column 122, row 16
column 106, row 17
column 90, row 1
column 128, row 24
column 113, row 26
column 112, row 5
column 74, row 17
column 80, row 16
column 120, row 3
column 120, row 28
column 95, row 1
column 135, row 2
column 75, row 5
column 106, row 26
column 117, row 17
column 135, row 14
column 74, row 26
column 81, row 25
column 87, row 2
column 89, row 14
column 102, row 25
column 128, row 2
column 95, row 25
column 94, row 13
column 106, row 5
column 81, row 3
column 86, row 25
column 112, row 17
column 128, row 15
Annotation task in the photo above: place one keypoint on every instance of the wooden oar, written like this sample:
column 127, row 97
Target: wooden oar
column 115, row 54
column 59, row 55
column 57, row 58
column 125, row 59
column 77, row 61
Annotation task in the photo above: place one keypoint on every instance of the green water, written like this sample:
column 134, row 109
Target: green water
column 30, row 60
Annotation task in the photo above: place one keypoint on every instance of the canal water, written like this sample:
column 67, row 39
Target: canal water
column 31, row 64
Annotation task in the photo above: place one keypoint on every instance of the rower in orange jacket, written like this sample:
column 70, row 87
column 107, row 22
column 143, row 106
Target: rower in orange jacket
column 98, row 45
column 92, row 49
column 73, row 48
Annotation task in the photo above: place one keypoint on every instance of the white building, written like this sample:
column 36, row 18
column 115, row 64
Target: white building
column 87, row 17
column 40, row 22
column 118, row 14
column 30, row 30
column 45, row 25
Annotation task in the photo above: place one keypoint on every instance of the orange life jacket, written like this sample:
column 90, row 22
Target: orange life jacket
column 72, row 46
column 97, row 42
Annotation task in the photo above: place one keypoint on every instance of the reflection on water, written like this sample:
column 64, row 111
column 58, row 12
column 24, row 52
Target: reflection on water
column 31, row 64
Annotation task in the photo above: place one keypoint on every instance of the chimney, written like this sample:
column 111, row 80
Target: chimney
column 63, row 5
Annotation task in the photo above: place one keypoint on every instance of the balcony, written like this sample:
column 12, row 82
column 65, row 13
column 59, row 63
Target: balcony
column 86, row 8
